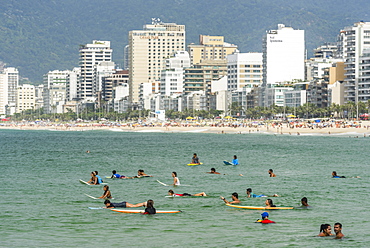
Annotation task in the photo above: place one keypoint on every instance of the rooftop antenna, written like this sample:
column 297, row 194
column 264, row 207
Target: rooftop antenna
column 156, row 21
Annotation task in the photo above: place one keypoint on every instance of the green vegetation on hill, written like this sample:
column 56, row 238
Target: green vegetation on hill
column 38, row 36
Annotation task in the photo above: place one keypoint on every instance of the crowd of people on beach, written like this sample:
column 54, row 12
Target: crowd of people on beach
column 325, row 229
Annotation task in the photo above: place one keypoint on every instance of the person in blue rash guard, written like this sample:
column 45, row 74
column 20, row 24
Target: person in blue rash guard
column 115, row 174
column 235, row 160
column 252, row 195
column 99, row 180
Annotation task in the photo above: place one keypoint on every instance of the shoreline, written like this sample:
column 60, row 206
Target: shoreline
column 363, row 130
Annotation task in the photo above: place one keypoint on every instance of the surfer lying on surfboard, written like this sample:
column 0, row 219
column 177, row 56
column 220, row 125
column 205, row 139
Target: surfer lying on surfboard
column 235, row 198
column 252, row 195
column 171, row 193
column 123, row 204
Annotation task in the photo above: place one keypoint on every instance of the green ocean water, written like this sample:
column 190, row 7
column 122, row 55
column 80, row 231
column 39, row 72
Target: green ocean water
column 43, row 204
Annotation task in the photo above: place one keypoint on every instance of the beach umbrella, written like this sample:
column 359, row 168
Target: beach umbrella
column 364, row 115
column 228, row 117
column 291, row 116
column 189, row 118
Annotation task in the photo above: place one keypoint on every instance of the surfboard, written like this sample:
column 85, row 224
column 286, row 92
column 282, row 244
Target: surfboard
column 92, row 197
column 259, row 208
column 162, row 183
column 141, row 211
column 194, row 164
column 84, row 182
column 227, row 163
column 96, row 208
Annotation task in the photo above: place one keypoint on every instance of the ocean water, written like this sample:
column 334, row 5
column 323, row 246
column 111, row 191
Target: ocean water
column 43, row 204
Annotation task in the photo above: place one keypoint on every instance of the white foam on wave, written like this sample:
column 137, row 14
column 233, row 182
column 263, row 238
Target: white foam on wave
column 149, row 131
column 196, row 131
column 117, row 130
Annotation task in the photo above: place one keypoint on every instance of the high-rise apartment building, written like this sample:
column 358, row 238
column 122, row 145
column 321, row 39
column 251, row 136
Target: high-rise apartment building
column 25, row 97
column 210, row 48
column 172, row 78
column 9, row 79
column 148, row 49
column 355, row 48
column 91, row 55
column 244, row 70
column 55, row 90
column 283, row 55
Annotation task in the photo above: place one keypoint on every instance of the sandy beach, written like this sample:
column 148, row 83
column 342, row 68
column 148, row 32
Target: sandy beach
column 354, row 129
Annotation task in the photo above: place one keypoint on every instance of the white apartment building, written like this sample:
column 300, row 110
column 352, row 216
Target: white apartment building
column 72, row 82
column 283, row 55
column 9, row 79
column 244, row 70
column 315, row 67
column 55, row 86
column 172, row 78
column 148, row 49
column 25, row 97
column 101, row 71
column 91, row 55
column 355, row 48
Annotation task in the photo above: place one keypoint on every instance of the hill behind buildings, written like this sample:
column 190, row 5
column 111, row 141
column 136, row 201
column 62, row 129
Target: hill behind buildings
column 38, row 36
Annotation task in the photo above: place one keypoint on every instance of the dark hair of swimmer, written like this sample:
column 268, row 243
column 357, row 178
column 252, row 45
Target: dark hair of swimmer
column 149, row 203
column 235, row 194
column 324, row 227
column 96, row 172
column 213, row 169
column 235, row 157
column 304, row 199
column 106, row 201
column 340, row 225
column 171, row 191
column 334, row 173
column 114, row 171
column 249, row 190
column 270, row 202
column 174, row 172
column 271, row 170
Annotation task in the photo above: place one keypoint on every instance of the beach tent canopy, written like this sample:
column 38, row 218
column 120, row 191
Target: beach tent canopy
column 228, row 117
column 364, row 115
column 291, row 116
column 190, row 118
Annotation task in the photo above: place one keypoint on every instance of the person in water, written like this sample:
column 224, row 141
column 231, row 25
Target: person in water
column 325, row 230
column 269, row 204
column 213, row 171
column 106, row 194
column 252, row 195
column 123, row 204
column 116, row 175
column 235, row 160
column 140, row 173
column 265, row 219
column 92, row 179
column 171, row 193
column 195, row 159
column 150, row 207
column 338, row 230
column 234, row 197
column 271, row 172
column 334, row 174
column 98, row 178
column 176, row 180
column 304, row 202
